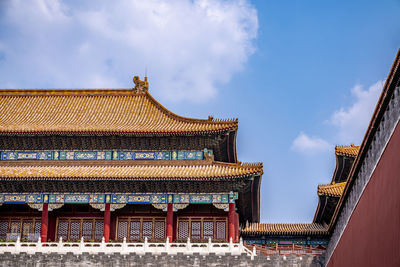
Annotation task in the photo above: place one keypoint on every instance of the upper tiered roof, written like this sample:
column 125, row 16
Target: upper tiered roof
column 90, row 111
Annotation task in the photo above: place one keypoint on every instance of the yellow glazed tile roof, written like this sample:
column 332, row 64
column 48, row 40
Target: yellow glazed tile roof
column 284, row 228
column 215, row 170
column 351, row 150
column 96, row 111
column 335, row 190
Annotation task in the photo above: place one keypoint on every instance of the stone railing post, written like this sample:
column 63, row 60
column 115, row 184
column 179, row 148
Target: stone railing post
column 145, row 246
column 241, row 244
column 39, row 244
column 18, row 245
column 60, row 243
column 167, row 245
column 124, row 246
column 230, row 244
column 188, row 245
column 209, row 245
column 81, row 244
column 254, row 253
column 103, row 243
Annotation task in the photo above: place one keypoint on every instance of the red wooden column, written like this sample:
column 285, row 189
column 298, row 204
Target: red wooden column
column 107, row 215
column 45, row 221
column 170, row 221
column 236, row 227
column 231, row 222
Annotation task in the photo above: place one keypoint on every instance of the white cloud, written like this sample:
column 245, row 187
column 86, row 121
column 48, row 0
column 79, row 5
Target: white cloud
column 310, row 145
column 349, row 123
column 188, row 47
column 352, row 122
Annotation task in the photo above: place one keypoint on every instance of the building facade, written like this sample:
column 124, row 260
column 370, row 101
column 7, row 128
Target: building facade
column 117, row 164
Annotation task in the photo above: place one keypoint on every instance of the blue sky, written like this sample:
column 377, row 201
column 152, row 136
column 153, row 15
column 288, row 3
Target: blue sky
column 301, row 76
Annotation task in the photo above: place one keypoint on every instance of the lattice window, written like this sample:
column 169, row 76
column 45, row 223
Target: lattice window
column 98, row 230
column 38, row 227
column 3, row 229
column 221, row 230
column 159, row 230
column 27, row 228
column 135, row 230
column 63, row 230
column 15, row 230
column 196, row 230
column 147, row 230
column 208, row 229
column 122, row 229
column 75, row 230
column 15, row 227
column 87, row 230
column 183, row 230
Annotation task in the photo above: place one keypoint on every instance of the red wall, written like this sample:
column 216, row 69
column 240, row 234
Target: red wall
column 372, row 236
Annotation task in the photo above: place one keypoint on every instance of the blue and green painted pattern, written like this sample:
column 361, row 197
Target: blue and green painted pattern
column 120, row 198
column 103, row 155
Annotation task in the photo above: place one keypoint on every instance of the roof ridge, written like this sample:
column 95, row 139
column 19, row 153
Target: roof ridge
column 332, row 184
column 187, row 119
column 68, row 92
column 247, row 165
column 160, row 119
column 251, row 164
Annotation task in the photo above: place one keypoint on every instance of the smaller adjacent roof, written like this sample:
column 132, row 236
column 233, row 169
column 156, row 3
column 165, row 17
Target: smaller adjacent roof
column 351, row 151
column 334, row 190
column 150, row 171
column 284, row 229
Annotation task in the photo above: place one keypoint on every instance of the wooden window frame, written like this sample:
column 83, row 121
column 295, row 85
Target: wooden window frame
column 202, row 219
column 81, row 220
column 141, row 219
column 21, row 221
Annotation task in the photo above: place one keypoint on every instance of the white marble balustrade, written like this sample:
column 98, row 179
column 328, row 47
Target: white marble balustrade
column 124, row 247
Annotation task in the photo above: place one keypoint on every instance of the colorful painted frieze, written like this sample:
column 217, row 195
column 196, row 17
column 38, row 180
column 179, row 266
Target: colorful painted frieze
column 145, row 198
column 103, row 155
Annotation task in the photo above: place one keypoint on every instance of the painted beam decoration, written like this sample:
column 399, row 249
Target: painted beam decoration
column 16, row 155
column 145, row 198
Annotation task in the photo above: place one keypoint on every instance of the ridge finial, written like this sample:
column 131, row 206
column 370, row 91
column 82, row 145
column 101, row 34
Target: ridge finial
column 140, row 86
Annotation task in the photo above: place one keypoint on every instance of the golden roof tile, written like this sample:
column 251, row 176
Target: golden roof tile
column 215, row 170
column 351, row 151
column 284, row 228
column 96, row 111
column 334, row 190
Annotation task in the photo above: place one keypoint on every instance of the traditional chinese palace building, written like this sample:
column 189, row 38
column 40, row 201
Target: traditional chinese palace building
column 116, row 163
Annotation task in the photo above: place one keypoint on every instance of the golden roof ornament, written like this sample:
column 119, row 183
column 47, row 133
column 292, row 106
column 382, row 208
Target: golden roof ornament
column 140, row 86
